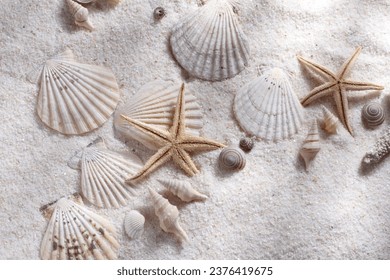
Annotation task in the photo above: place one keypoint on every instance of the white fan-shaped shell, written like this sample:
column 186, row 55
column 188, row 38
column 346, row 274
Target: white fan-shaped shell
column 168, row 215
column 311, row 145
column 134, row 224
column 268, row 108
column 103, row 174
column 154, row 104
column 74, row 232
column 182, row 189
column 75, row 98
column 209, row 43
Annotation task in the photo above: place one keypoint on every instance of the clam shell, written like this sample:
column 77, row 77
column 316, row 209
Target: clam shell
column 209, row 43
column 80, row 14
column 232, row 158
column 182, row 189
column 154, row 104
column 247, row 144
column 75, row 98
column 330, row 121
column 268, row 108
column 311, row 145
column 373, row 114
column 75, row 232
column 103, row 174
column 134, row 224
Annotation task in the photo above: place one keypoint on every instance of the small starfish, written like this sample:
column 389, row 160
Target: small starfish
column 174, row 143
column 337, row 85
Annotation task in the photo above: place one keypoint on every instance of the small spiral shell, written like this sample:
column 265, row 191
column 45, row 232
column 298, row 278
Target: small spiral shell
column 232, row 158
column 246, row 144
column 373, row 114
column 330, row 122
column 80, row 14
column 159, row 13
column 311, row 145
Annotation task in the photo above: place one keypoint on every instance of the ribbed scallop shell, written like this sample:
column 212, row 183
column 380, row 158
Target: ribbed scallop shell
column 373, row 114
column 232, row 158
column 154, row 104
column 103, row 174
column 134, row 224
column 311, row 145
column 209, row 43
column 74, row 232
column 247, row 144
column 168, row 215
column 268, row 108
column 75, row 98
column 182, row 189
column 330, row 121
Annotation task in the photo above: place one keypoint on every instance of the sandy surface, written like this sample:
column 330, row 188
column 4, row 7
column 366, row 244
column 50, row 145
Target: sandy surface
column 273, row 209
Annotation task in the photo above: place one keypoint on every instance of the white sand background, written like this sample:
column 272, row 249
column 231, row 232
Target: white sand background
column 273, row 209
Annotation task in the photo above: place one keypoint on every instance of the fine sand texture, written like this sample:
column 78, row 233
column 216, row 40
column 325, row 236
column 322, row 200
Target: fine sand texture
column 273, row 208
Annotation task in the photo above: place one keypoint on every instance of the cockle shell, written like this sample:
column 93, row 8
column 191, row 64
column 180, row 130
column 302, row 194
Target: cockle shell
column 182, row 189
column 209, row 43
column 75, row 232
column 134, row 224
column 168, row 215
column 232, row 158
column 75, row 98
column 268, row 108
column 373, row 114
column 247, row 144
column 103, row 174
column 154, row 104
column 329, row 122
column 80, row 14
column 311, row 145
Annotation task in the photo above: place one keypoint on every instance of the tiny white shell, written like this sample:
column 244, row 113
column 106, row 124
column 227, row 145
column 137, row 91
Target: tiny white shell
column 75, row 232
column 311, row 145
column 330, row 122
column 268, row 108
column 168, row 215
column 373, row 114
column 75, row 98
column 80, row 14
column 134, row 224
column 209, row 43
column 232, row 158
column 182, row 189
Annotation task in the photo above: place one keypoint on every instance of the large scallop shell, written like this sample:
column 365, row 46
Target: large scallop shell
column 373, row 114
column 209, row 43
column 232, row 158
column 74, row 232
column 75, row 98
column 182, row 189
column 268, row 108
column 311, row 145
column 134, row 224
column 103, row 174
column 154, row 104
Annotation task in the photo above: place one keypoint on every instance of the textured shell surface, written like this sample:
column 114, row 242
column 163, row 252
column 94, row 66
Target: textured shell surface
column 103, row 174
column 134, row 224
column 380, row 150
column 74, row 232
column 75, row 98
column 182, row 189
column 246, row 144
column 80, row 14
column 268, row 108
column 154, row 104
column 209, row 43
column 311, row 145
column 232, row 158
column 168, row 215
column 373, row 114
column 330, row 122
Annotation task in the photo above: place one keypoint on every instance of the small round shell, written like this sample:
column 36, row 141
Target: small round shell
column 159, row 13
column 134, row 224
column 232, row 158
column 373, row 114
column 246, row 144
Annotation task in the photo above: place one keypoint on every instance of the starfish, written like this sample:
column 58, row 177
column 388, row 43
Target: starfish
column 337, row 85
column 174, row 143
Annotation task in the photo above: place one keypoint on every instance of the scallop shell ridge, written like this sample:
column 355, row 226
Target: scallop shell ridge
column 134, row 224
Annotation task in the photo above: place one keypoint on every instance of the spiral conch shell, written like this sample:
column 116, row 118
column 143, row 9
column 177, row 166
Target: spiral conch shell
column 330, row 121
column 168, row 215
column 80, row 14
column 183, row 190
column 232, row 158
column 373, row 114
column 311, row 145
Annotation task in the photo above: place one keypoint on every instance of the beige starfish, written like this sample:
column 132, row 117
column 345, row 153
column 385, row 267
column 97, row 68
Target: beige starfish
column 174, row 143
column 337, row 85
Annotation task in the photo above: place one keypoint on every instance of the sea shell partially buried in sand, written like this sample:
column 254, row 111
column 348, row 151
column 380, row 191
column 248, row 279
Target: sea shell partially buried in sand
column 209, row 43
column 311, row 145
column 268, row 108
column 182, row 189
column 232, row 159
column 373, row 114
column 134, row 224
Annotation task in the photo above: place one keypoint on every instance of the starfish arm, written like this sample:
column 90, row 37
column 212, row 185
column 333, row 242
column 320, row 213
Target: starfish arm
column 354, row 85
column 195, row 143
column 183, row 159
column 320, row 70
column 159, row 158
column 178, row 125
column 161, row 137
column 348, row 64
column 318, row 92
column 341, row 101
